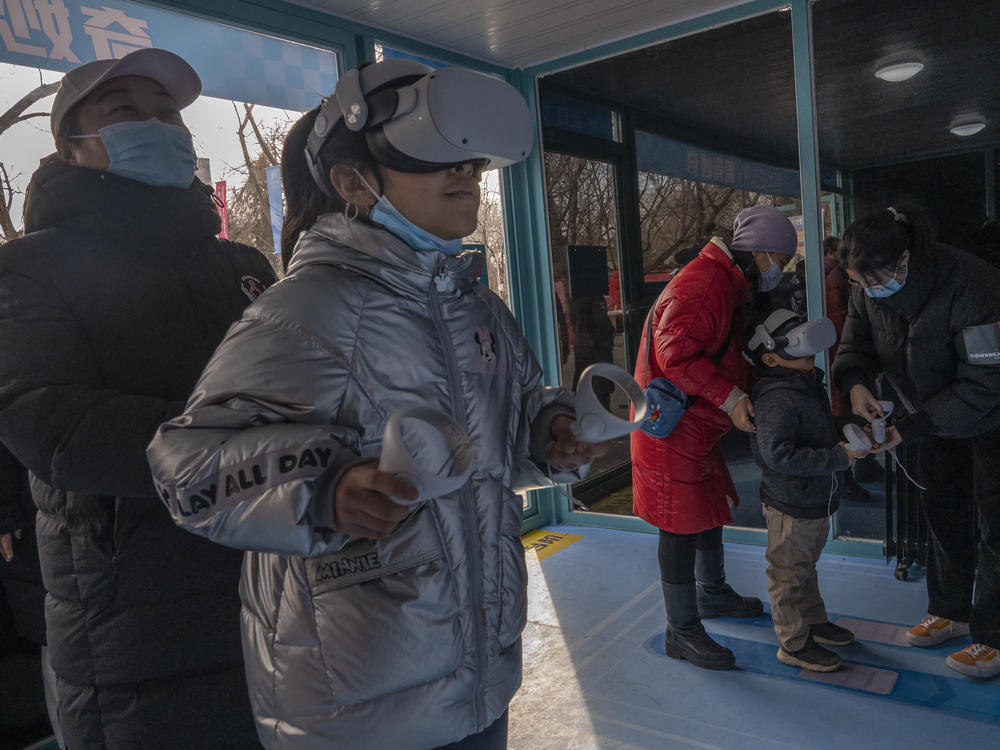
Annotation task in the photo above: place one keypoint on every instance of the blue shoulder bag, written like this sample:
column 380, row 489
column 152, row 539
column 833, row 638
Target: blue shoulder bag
column 667, row 402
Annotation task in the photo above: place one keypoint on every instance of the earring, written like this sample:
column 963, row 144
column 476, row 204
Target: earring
column 348, row 214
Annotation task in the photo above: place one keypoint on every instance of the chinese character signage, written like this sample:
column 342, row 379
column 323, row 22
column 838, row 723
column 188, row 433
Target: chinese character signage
column 37, row 28
column 233, row 63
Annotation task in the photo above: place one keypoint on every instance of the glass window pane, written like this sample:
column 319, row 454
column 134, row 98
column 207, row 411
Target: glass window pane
column 713, row 140
column 583, row 225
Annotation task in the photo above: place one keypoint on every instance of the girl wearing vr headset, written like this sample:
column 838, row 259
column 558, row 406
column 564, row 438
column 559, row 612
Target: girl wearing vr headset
column 911, row 304
column 680, row 482
column 370, row 620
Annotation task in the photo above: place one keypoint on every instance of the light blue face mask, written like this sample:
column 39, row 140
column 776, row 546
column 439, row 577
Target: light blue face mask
column 388, row 217
column 149, row 151
column 889, row 288
column 770, row 278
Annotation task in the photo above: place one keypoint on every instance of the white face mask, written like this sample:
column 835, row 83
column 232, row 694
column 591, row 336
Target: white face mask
column 770, row 278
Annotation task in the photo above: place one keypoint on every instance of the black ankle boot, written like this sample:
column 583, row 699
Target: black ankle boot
column 686, row 637
column 719, row 600
column 693, row 644
column 716, row 598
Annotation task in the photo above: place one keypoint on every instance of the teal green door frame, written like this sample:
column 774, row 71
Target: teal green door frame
column 805, row 112
column 529, row 270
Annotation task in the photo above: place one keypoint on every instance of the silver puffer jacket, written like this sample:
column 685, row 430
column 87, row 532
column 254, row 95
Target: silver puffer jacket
column 412, row 641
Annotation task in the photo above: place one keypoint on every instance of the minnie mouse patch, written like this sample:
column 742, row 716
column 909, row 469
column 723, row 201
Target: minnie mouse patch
column 487, row 351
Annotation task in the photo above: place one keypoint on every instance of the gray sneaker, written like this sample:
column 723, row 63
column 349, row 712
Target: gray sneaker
column 812, row 656
column 831, row 635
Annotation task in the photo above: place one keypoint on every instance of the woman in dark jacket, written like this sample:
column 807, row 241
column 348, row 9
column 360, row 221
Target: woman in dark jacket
column 19, row 572
column 911, row 308
column 110, row 305
column 680, row 483
column 22, row 602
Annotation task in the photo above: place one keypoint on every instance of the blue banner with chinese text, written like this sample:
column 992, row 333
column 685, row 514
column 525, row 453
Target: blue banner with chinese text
column 232, row 63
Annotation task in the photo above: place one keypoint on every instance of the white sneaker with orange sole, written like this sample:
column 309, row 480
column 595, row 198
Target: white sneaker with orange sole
column 933, row 630
column 977, row 660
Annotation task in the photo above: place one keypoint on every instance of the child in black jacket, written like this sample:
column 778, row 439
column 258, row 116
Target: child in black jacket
column 802, row 463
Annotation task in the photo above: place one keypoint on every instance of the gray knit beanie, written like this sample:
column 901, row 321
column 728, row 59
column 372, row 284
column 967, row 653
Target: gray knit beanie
column 763, row 229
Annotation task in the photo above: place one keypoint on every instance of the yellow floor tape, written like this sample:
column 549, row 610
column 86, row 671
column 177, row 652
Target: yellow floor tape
column 544, row 542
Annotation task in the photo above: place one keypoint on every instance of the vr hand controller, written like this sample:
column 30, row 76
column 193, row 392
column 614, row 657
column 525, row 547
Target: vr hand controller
column 593, row 422
column 856, row 438
column 425, row 447
column 878, row 424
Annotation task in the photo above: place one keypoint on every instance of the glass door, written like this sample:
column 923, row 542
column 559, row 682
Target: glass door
column 586, row 263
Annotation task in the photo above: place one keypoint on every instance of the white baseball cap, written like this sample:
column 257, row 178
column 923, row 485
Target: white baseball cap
column 167, row 69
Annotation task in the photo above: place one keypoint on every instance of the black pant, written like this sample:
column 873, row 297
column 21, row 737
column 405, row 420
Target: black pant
column 494, row 737
column 962, row 478
column 677, row 553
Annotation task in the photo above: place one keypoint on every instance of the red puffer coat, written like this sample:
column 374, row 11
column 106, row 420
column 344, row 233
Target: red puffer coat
column 681, row 483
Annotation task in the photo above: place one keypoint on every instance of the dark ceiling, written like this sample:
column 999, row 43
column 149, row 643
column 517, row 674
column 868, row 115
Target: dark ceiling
column 732, row 88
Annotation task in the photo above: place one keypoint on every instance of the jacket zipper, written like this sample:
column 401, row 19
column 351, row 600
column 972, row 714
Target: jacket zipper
column 468, row 503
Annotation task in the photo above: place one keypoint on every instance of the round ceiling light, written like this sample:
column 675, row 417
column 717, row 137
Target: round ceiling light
column 899, row 71
column 967, row 126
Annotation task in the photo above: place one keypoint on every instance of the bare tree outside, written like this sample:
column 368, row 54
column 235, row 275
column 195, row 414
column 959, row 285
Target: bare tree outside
column 489, row 233
column 676, row 214
column 582, row 207
column 248, row 205
column 10, row 183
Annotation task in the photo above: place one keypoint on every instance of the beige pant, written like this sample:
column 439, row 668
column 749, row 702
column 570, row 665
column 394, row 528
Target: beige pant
column 793, row 547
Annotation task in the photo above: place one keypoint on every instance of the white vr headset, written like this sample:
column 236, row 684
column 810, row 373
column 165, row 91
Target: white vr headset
column 793, row 341
column 419, row 119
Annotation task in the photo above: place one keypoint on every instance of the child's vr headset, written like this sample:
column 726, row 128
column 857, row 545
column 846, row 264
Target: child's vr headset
column 787, row 335
column 418, row 119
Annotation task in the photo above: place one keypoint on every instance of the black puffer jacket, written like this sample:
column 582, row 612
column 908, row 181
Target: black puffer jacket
column 914, row 337
column 109, row 308
column 796, row 445
column 21, row 577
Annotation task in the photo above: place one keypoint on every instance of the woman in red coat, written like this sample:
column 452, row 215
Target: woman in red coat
column 680, row 483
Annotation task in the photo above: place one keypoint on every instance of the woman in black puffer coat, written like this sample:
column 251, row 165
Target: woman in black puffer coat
column 110, row 306
column 912, row 303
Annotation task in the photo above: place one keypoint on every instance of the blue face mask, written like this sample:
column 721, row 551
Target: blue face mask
column 149, row 151
column 889, row 288
column 770, row 278
column 388, row 217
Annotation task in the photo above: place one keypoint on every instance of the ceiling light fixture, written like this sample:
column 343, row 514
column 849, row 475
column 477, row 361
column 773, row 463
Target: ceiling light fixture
column 967, row 126
column 899, row 71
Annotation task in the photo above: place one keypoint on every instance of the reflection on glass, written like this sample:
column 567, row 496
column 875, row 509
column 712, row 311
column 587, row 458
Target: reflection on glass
column 489, row 236
column 707, row 149
column 583, row 222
